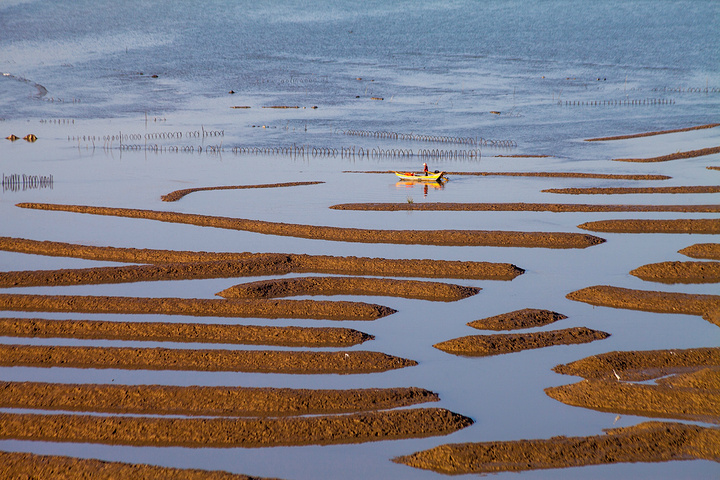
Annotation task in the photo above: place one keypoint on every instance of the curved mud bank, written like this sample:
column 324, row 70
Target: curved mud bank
column 604, row 176
column 287, row 287
column 679, row 272
column 338, row 234
column 236, row 263
column 647, row 442
column 705, row 226
column 28, row 465
column 673, row 156
column 649, row 190
column 656, row 401
column 519, row 319
column 262, row 361
column 205, row 401
column 522, row 207
column 498, row 344
column 649, row 301
column 176, row 195
column 642, row 365
column 311, row 309
column 710, row 251
column 183, row 332
column 233, row 433
column 650, row 134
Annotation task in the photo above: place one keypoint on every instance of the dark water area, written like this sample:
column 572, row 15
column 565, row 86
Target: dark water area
column 131, row 100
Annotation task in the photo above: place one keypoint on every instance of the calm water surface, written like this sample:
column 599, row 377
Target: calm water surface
column 80, row 76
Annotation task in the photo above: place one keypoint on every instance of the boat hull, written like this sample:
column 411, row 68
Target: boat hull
column 420, row 177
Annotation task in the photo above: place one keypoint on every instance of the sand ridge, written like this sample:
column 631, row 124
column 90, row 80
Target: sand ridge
column 693, row 189
column 679, row 272
column 183, row 332
column 650, row 134
column 498, row 344
column 646, row 442
column 317, row 232
column 710, row 251
column 707, row 226
column 294, row 286
column 231, row 264
column 205, row 401
column 218, row 432
column 30, row 466
column 673, row 156
column 214, row 360
column 518, row 319
column 176, row 195
column 522, row 207
column 311, row 309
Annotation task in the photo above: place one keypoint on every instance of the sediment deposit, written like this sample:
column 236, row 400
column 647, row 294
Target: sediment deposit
column 694, row 189
column 519, row 319
column 706, row 226
column 522, row 207
column 673, row 156
column 650, row 134
column 679, row 272
column 710, row 251
column 178, row 194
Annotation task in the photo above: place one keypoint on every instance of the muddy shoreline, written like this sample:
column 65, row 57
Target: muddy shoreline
column 183, row 332
column 710, row 251
column 176, row 195
column 359, row 235
column 679, row 272
column 707, row 226
column 518, row 319
column 673, row 156
column 643, row 190
column 650, row 134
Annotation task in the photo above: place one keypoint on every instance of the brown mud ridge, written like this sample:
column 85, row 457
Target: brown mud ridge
column 205, row 401
column 260, row 361
column 687, row 384
column 706, row 306
column 233, row 432
column 31, row 466
column 604, row 176
column 183, row 332
column 523, row 207
column 315, row 309
column 525, row 318
column 245, row 264
column 634, row 190
column 498, row 344
column 650, row 134
column 708, row 226
column 287, row 287
column 673, row 156
column 646, row 442
column 679, row 272
column 713, row 168
column 710, row 251
column 178, row 194
column 403, row 237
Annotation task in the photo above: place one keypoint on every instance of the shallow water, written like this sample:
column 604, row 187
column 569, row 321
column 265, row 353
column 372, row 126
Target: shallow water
column 80, row 77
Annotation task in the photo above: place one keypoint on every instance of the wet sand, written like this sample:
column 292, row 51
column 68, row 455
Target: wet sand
column 498, row 344
column 650, row 134
column 183, row 332
column 708, row 226
column 205, row 401
column 673, row 156
column 270, row 263
column 287, row 287
column 522, row 207
column 679, row 272
column 519, row 319
column 649, row 301
column 604, row 176
column 176, row 195
column 403, row 237
column 30, row 466
column 710, row 251
column 263, row 361
column 232, row 432
column 642, row 365
column 647, row 442
column 642, row 190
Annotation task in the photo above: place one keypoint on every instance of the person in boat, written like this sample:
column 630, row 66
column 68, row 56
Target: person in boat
column 425, row 169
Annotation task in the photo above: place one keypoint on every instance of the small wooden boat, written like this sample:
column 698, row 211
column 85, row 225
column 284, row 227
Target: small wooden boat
column 421, row 177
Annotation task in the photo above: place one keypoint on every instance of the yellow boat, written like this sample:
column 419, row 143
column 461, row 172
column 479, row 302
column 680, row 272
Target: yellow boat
column 421, row 177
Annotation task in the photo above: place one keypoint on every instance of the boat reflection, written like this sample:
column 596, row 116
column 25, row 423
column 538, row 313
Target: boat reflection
column 426, row 186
